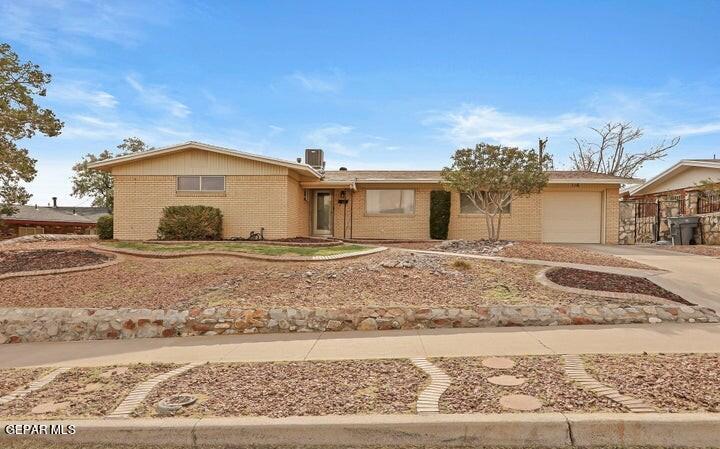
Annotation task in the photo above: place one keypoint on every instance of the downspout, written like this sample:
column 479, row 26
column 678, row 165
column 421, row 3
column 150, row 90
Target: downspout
column 352, row 206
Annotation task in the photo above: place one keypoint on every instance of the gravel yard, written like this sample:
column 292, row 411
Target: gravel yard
column 388, row 278
column 670, row 382
column 83, row 392
column 593, row 280
column 47, row 259
column 525, row 250
column 296, row 388
column 470, row 391
column 11, row 379
column 699, row 250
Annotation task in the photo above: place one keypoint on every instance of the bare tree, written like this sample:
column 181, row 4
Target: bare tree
column 610, row 156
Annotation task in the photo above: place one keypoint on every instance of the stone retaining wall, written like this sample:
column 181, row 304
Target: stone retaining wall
column 710, row 228
column 61, row 324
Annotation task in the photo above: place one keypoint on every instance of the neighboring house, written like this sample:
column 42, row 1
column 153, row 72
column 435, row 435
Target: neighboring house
column 290, row 199
column 674, row 192
column 50, row 220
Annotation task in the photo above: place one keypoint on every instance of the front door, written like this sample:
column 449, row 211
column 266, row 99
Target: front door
column 322, row 212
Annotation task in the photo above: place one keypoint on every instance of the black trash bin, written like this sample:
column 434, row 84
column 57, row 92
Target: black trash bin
column 682, row 229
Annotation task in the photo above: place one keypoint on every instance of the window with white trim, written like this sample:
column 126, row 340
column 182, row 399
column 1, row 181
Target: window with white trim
column 201, row 183
column 390, row 201
column 468, row 207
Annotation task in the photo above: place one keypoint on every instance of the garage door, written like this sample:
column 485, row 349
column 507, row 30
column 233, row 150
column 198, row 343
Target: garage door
column 572, row 217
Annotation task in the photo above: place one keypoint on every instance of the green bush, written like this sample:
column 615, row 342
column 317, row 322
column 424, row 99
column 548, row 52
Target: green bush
column 439, row 214
column 190, row 223
column 105, row 227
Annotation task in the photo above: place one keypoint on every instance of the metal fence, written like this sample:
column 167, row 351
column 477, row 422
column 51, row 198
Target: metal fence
column 708, row 203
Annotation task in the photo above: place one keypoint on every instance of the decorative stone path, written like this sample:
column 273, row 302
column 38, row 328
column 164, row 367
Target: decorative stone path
column 32, row 386
column 140, row 392
column 429, row 399
column 179, row 254
column 520, row 402
column 575, row 370
column 498, row 363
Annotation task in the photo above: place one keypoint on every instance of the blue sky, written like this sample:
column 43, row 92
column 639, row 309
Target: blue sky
column 377, row 84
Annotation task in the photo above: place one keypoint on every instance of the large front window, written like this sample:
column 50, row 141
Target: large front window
column 395, row 201
column 201, row 183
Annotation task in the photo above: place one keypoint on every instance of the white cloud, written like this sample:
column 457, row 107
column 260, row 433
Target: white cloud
column 695, row 129
column 87, row 127
column 330, row 138
column 60, row 26
column 316, row 83
column 155, row 96
column 473, row 124
column 78, row 93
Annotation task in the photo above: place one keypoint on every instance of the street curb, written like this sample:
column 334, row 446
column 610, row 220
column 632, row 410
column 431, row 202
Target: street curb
column 506, row 430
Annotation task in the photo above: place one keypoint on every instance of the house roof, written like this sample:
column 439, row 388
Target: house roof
column 106, row 164
column 681, row 165
column 433, row 176
column 82, row 215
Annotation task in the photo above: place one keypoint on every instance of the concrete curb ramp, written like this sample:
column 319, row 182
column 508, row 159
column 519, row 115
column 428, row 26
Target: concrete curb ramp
column 506, row 430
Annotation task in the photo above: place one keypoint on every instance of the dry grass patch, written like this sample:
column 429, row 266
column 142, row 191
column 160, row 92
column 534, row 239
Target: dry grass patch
column 470, row 392
column 296, row 388
column 669, row 382
column 83, row 392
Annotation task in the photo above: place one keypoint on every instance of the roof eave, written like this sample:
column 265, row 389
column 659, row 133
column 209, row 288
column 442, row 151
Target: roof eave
column 109, row 163
column 672, row 169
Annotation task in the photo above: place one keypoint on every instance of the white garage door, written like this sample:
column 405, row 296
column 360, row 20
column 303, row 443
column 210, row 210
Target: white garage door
column 572, row 217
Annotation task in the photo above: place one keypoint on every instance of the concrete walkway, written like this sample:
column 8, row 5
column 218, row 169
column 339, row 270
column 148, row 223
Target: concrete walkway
column 664, row 337
column 695, row 278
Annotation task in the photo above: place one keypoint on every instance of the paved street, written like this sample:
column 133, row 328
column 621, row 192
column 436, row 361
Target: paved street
column 696, row 278
column 664, row 337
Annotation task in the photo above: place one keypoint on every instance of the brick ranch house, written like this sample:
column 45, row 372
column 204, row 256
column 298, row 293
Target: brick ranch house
column 50, row 220
column 674, row 192
column 290, row 199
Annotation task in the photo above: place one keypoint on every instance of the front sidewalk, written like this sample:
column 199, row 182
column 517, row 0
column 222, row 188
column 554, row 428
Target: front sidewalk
column 668, row 338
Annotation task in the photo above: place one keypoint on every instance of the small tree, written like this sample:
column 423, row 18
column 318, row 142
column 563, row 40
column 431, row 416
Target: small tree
column 20, row 117
column 493, row 176
column 610, row 156
column 99, row 184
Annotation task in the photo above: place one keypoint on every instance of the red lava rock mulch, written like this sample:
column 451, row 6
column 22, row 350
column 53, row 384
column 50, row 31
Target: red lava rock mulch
column 83, row 392
column 593, row 280
column 296, row 388
column 670, row 382
column 48, row 259
column 12, row 379
column 470, row 392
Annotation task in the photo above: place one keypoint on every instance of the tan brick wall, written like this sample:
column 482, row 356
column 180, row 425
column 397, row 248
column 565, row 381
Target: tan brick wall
column 525, row 220
column 298, row 209
column 416, row 226
column 248, row 203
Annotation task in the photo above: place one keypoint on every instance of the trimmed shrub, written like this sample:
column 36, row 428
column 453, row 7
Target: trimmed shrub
column 439, row 214
column 190, row 223
column 105, row 227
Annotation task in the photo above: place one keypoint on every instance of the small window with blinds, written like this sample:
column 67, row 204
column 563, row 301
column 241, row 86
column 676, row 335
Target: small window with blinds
column 201, row 183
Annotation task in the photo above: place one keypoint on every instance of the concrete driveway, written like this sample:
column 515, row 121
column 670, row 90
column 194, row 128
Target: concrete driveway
column 695, row 278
